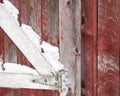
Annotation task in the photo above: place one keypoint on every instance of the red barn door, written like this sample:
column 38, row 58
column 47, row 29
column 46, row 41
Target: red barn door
column 102, row 48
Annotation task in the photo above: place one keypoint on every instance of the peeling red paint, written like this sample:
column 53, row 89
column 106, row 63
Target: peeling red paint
column 1, row 44
column 102, row 48
column 90, row 47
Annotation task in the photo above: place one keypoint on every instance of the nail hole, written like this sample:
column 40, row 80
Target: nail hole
column 68, row 3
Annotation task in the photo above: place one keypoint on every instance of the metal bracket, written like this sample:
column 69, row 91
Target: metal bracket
column 60, row 81
column 63, row 81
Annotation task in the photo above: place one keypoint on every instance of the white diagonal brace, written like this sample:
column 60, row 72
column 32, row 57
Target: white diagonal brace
column 23, row 43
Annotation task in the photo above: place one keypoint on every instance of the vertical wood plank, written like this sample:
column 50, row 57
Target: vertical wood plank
column 70, row 42
column 44, row 18
column 1, row 45
column 10, row 52
column 50, row 21
column 108, row 48
column 30, row 13
column 53, row 22
column 90, row 47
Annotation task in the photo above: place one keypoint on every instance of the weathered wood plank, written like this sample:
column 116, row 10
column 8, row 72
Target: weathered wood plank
column 50, row 21
column 1, row 45
column 30, row 13
column 70, row 42
column 90, row 47
column 10, row 52
column 108, row 48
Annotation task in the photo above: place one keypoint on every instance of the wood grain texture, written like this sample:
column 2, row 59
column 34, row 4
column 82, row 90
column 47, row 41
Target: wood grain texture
column 90, row 47
column 70, row 41
column 102, row 48
column 30, row 13
column 1, row 44
column 108, row 48
column 10, row 51
column 50, row 21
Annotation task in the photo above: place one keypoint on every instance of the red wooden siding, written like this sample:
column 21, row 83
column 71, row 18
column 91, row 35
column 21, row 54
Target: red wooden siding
column 102, row 48
column 108, row 48
column 10, row 52
column 27, row 92
column 50, row 21
column 90, row 47
column 1, row 44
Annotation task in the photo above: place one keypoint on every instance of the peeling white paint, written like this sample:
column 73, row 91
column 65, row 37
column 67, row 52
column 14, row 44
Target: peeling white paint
column 107, row 62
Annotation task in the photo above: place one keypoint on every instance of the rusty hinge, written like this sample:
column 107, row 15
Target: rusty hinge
column 60, row 81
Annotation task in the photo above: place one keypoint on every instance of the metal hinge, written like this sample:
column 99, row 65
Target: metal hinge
column 60, row 81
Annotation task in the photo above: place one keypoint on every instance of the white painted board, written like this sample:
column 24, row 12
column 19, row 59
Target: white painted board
column 12, row 80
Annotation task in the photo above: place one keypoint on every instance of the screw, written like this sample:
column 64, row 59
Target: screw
column 55, row 84
column 33, row 80
column 45, row 80
column 56, row 78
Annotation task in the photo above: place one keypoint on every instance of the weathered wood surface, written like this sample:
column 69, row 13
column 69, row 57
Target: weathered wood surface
column 70, row 42
column 102, row 48
column 1, row 45
column 108, row 48
column 50, row 21
column 10, row 51
column 90, row 47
